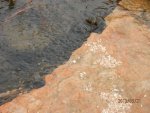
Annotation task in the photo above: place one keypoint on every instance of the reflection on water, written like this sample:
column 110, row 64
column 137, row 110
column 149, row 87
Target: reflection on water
column 37, row 37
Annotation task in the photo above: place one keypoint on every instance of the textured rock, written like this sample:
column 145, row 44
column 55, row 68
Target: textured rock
column 108, row 67
column 140, row 5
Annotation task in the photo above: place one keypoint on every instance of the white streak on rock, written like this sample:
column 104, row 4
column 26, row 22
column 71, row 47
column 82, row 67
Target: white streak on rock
column 105, row 59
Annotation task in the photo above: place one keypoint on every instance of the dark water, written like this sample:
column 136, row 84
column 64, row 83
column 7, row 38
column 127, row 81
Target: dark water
column 37, row 37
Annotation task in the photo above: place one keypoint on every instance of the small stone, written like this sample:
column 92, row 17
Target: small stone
column 83, row 75
column 74, row 61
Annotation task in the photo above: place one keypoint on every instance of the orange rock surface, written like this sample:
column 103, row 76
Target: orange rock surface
column 140, row 5
column 110, row 73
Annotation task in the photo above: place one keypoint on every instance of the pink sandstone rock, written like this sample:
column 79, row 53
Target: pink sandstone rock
column 110, row 73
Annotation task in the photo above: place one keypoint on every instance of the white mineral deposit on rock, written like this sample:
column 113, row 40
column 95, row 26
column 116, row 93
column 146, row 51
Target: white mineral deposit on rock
column 83, row 75
column 108, row 61
column 116, row 90
column 88, row 87
column 74, row 61
column 96, row 46
column 105, row 59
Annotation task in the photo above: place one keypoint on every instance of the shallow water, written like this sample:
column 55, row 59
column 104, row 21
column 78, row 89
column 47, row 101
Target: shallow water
column 37, row 37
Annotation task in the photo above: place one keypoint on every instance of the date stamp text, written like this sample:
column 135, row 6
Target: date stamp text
column 128, row 100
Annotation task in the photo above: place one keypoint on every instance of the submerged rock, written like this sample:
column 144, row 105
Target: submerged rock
column 108, row 74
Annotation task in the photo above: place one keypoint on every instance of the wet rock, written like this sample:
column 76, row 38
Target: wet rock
column 108, row 74
column 38, row 80
column 92, row 21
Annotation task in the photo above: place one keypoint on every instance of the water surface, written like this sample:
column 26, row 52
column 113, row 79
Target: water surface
column 37, row 37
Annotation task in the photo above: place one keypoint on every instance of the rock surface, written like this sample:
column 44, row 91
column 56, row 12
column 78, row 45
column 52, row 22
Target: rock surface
column 110, row 73
column 140, row 5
